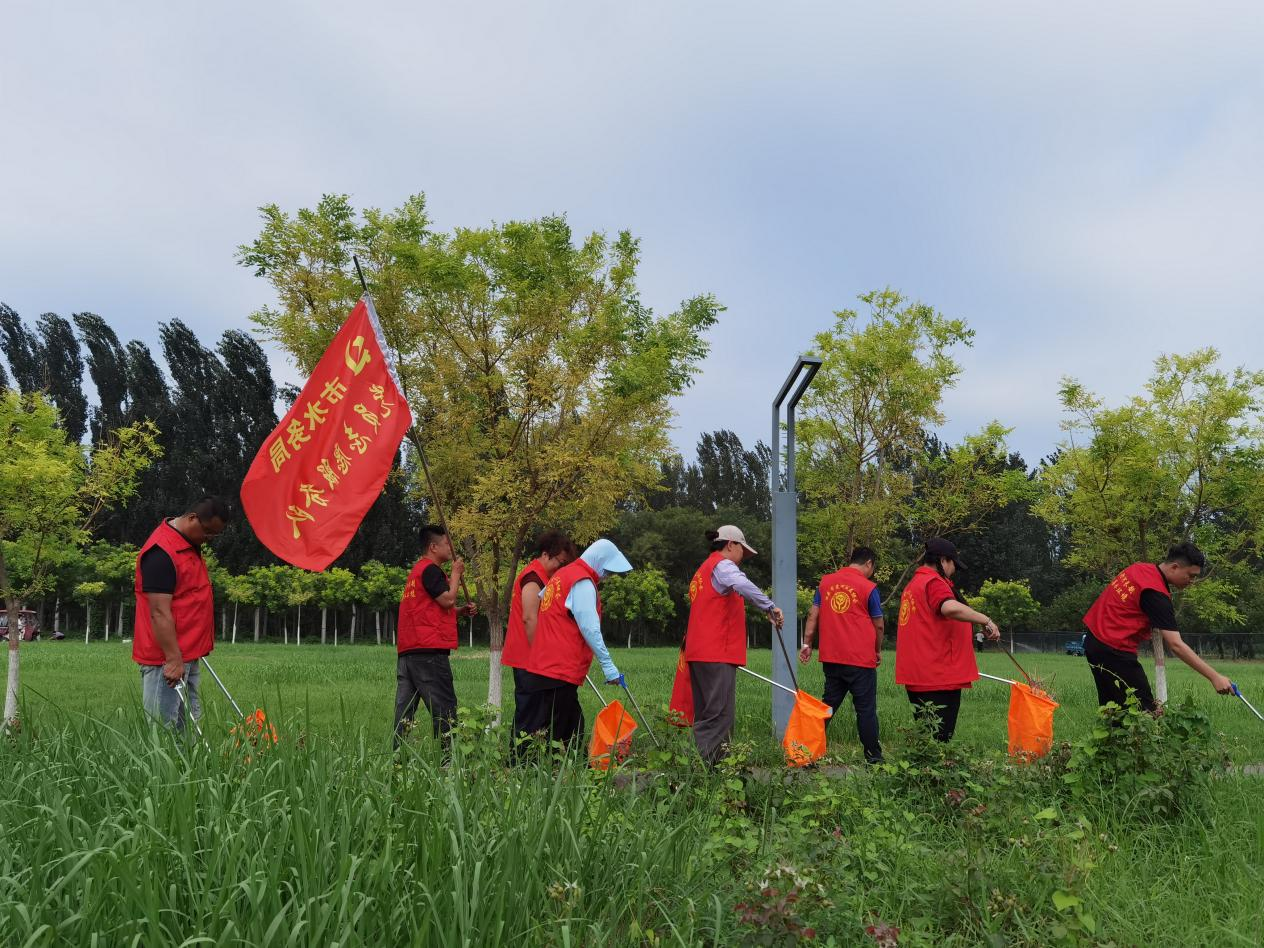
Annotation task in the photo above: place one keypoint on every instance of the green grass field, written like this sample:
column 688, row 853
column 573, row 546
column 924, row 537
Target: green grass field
column 119, row 833
column 322, row 690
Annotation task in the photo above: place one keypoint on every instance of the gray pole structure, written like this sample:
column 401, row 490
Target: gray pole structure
column 785, row 525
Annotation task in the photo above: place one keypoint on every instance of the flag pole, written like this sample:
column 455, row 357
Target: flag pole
column 415, row 438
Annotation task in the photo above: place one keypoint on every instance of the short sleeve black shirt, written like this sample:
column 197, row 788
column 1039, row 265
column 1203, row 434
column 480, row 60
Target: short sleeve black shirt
column 434, row 580
column 157, row 572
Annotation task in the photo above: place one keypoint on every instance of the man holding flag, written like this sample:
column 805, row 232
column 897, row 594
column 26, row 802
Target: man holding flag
column 427, row 635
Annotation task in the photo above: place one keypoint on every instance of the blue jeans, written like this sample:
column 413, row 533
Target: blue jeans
column 862, row 683
column 162, row 702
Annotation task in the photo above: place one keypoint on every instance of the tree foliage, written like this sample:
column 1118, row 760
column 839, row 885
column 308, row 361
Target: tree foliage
column 1184, row 460
column 539, row 379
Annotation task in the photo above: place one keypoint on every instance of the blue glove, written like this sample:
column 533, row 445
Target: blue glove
column 616, row 680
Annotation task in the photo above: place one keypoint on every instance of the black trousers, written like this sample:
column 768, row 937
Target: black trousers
column 1116, row 673
column 425, row 677
column 548, row 707
column 862, row 685
column 714, row 687
column 939, row 706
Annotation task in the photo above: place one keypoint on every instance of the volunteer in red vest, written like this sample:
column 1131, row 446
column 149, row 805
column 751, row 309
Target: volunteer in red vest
column 715, row 640
column 934, row 652
column 553, row 550
column 567, row 637
column 848, row 609
column 426, row 636
column 1137, row 600
column 175, row 611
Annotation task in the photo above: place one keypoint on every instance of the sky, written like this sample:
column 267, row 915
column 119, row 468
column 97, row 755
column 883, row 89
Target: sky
column 1080, row 181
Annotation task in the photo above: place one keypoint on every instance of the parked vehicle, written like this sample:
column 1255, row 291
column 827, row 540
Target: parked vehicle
column 28, row 625
column 1076, row 646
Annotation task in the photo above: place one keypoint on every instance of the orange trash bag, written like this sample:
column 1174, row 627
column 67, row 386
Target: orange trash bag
column 612, row 735
column 805, row 731
column 682, row 694
column 1030, row 721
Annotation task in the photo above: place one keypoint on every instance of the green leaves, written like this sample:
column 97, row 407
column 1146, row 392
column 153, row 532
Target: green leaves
column 1184, row 460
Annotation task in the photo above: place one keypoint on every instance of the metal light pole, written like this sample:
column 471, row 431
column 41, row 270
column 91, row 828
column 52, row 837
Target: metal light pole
column 785, row 525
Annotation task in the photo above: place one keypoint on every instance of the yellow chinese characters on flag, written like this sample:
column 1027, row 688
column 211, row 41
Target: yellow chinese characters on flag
column 318, row 473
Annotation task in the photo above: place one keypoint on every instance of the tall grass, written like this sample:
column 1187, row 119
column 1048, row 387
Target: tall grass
column 118, row 833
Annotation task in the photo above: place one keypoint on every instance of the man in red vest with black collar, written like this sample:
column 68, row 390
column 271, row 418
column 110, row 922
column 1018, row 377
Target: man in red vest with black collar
column 1137, row 600
column 175, row 611
column 426, row 636
column 848, row 608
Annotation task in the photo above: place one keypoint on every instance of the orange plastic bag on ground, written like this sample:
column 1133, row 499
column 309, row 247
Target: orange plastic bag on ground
column 1030, row 721
column 805, row 731
column 682, row 694
column 612, row 734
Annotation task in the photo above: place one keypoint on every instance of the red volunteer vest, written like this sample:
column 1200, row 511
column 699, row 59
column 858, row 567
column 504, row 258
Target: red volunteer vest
column 559, row 650
column 517, row 648
column 192, row 603
column 1116, row 618
column 932, row 652
column 845, row 630
column 423, row 623
column 717, row 624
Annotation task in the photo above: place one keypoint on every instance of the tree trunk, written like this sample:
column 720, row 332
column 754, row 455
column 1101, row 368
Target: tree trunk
column 353, row 621
column 57, row 614
column 324, row 624
column 120, row 620
column 256, row 623
column 298, row 627
column 11, row 688
column 377, row 621
column 496, row 639
column 87, row 625
column 1160, row 666
column 234, row 623
column 107, row 622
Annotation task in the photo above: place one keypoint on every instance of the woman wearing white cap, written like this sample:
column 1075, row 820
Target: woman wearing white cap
column 715, row 642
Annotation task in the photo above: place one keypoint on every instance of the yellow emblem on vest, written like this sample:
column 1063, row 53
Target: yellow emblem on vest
column 550, row 593
column 841, row 597
column 906, row 608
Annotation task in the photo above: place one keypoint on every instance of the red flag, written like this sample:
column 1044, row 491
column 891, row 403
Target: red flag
column 682, row 694
column 318, row 473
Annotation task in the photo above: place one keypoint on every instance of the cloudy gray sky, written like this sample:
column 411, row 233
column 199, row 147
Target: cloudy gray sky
column 1081, row 181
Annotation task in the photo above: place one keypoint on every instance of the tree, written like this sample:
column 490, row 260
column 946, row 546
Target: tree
column 48, row 362
column 637, row 598
column 86, row 593
column 1008, row 603
column 107, row 365
column 382, row 586
column 869, row 472
column 1183, row 461
column 335, row 588
column 541, row 381
column 49, row 495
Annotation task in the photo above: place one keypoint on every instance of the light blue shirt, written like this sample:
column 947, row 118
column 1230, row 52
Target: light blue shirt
column 582, row 602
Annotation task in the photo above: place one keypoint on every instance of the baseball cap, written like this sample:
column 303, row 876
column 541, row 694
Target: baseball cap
column 734, row 535
column 939, row 547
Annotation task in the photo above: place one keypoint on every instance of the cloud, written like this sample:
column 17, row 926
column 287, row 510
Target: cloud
column 1078, row 180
